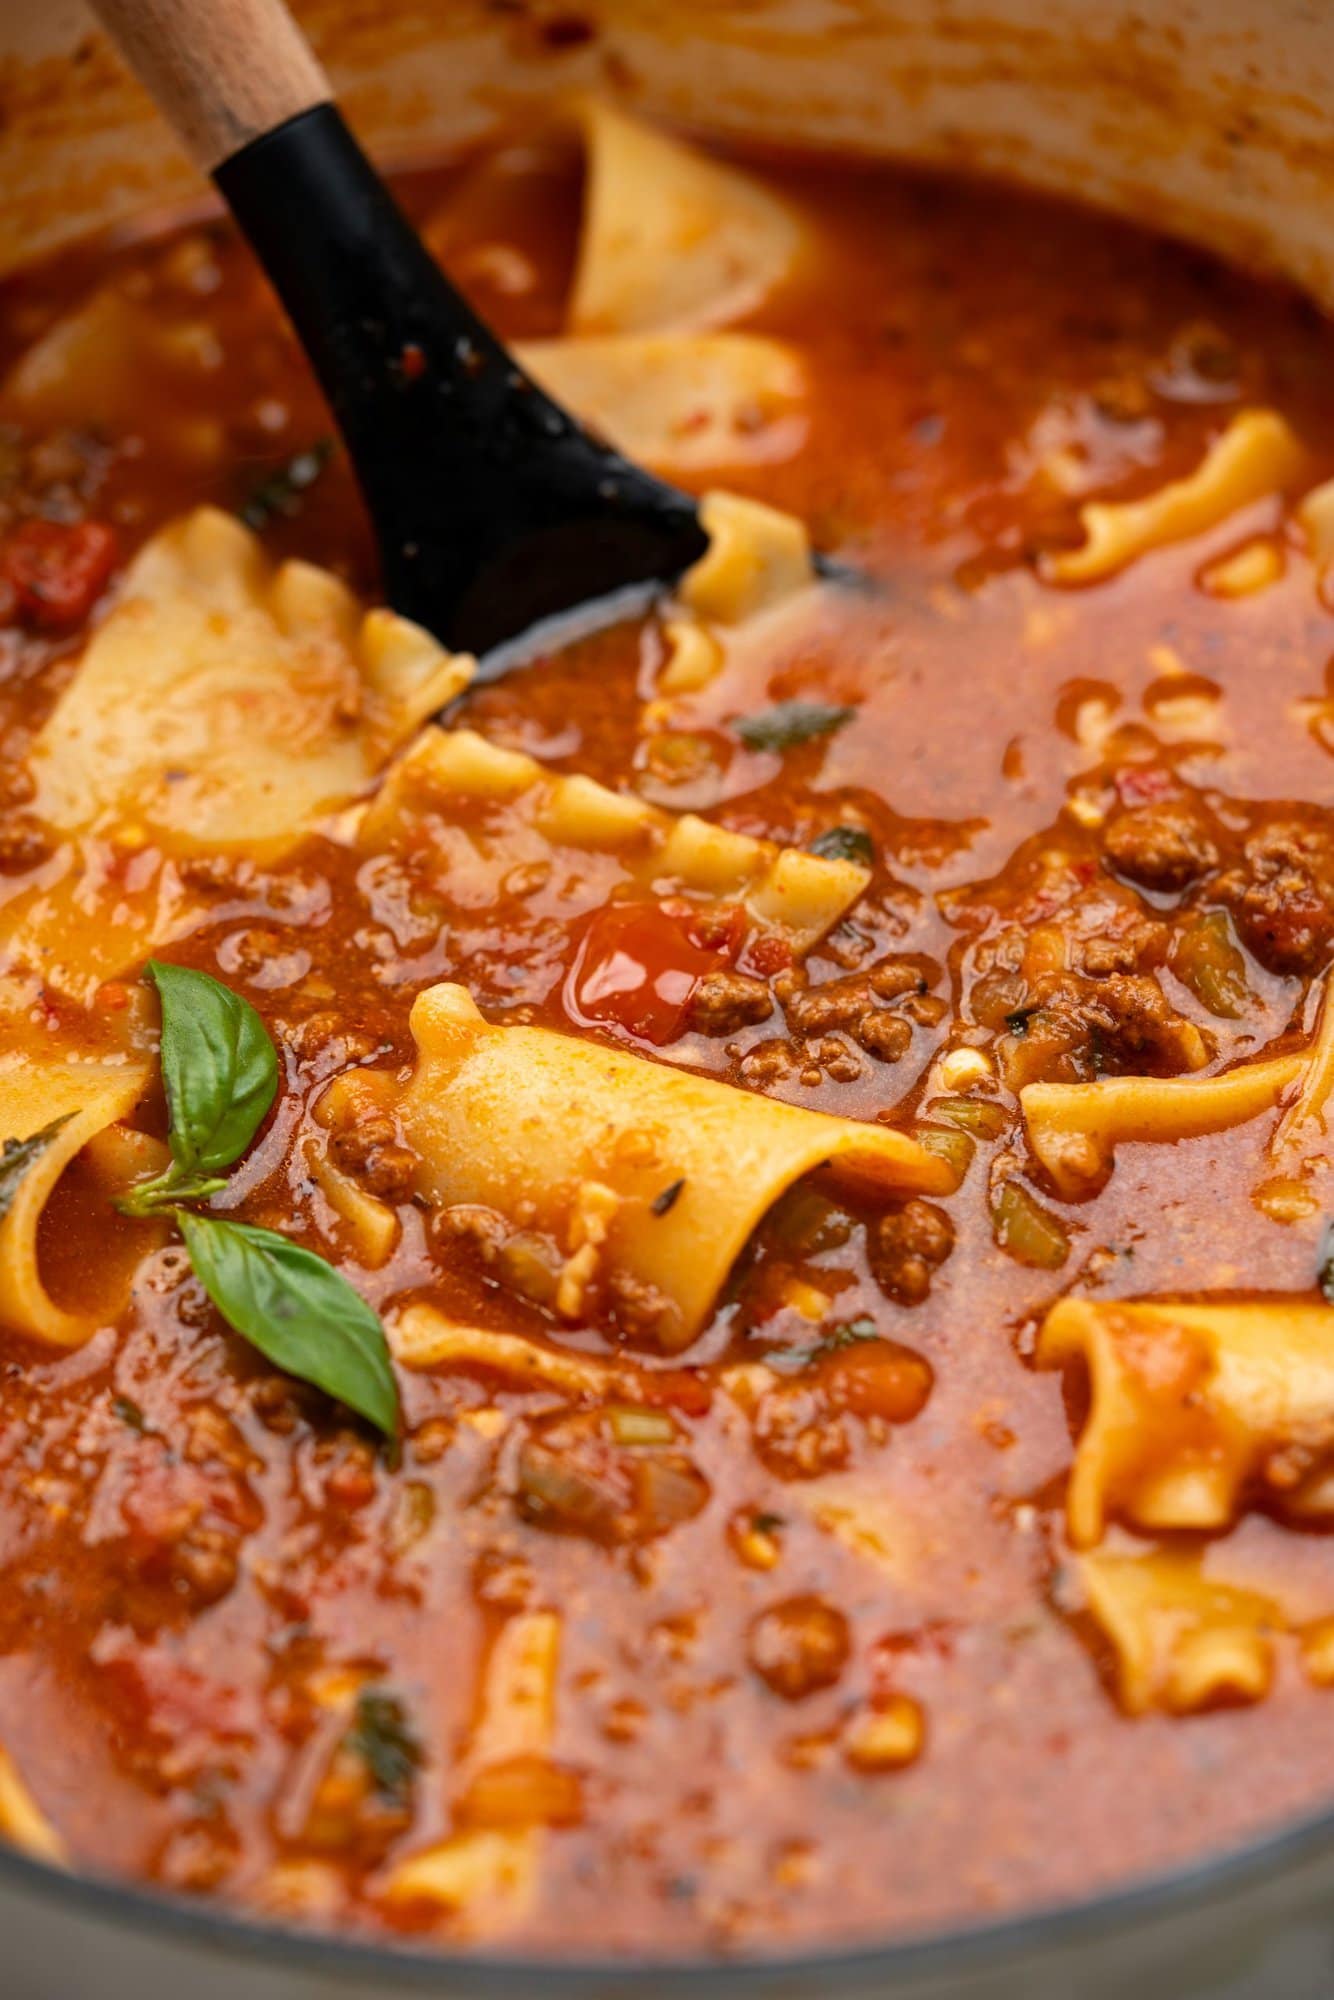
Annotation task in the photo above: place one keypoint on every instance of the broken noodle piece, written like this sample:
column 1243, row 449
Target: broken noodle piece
column 1257, row 454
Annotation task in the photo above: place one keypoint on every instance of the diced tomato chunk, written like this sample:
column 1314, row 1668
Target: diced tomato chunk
column 57, row 570
column 639, row 965
column 1144, row 784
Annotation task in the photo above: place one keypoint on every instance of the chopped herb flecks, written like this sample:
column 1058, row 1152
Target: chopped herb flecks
column 381, row 1736
column 278, row 495
column 668, row 1198
column 791, row 1360
column 790, row 723
column 844, row 843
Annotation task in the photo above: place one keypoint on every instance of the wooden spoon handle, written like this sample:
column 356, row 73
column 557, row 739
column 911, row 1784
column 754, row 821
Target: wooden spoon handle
column 223, row 72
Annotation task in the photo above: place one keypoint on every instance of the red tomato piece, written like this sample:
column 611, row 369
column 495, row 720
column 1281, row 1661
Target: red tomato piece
column 640, row 963
column 57, row 570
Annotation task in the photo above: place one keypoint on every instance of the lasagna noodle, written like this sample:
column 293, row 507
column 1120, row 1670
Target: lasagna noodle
column 225, row 704
column 585, row 1141
column 1075, row 1128
column 422, row 1337
column 487, row 1873
column 22, row 1822
column 670, row 241
column 221, row 708
column 59, row 1108
column 803, row 895
column 98, row 358
column 1194, row 1406
column 683, row 403
column 757, row 559
column 1256, row 455
column 1181, row 1641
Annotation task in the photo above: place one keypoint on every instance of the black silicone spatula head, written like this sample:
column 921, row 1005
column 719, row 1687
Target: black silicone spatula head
column 493, row 507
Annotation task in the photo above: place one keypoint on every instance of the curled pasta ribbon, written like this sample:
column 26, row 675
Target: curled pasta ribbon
column 1075, row 1128
column 445, row 771
column 1195, row 1406
column 1256, row 455
column 50, row 1112
column 487, row 1874
column 758, row 560
column 525, row 1121
column 423, row 1337
column 1182, row 1642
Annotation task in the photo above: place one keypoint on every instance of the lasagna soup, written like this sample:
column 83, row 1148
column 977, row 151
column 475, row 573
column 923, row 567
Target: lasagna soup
column 683, row 1301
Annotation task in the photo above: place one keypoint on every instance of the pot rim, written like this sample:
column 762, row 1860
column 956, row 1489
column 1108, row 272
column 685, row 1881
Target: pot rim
column 934, row 1953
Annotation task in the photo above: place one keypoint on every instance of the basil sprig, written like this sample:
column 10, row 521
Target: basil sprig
column 220, row 1072
column 297, row 1310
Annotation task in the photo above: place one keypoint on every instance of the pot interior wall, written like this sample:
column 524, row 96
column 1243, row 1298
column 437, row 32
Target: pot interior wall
column 1203, row 116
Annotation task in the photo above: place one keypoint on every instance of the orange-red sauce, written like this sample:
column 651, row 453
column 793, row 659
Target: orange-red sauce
column 190, row 1542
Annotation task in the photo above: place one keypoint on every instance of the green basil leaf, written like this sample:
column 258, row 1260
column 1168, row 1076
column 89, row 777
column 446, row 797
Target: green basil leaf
column 219, row 1067
column 17, row 1155
column 297, row 1310
column 790, row 723
column 844, row 843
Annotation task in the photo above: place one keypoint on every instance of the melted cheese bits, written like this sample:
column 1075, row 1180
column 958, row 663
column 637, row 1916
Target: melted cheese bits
column 226, row 704
column 1256, row 455
column 1195, row 1406
column 549, row 1131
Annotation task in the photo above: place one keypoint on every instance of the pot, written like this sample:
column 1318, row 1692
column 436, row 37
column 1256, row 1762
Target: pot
column 1205, row 117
